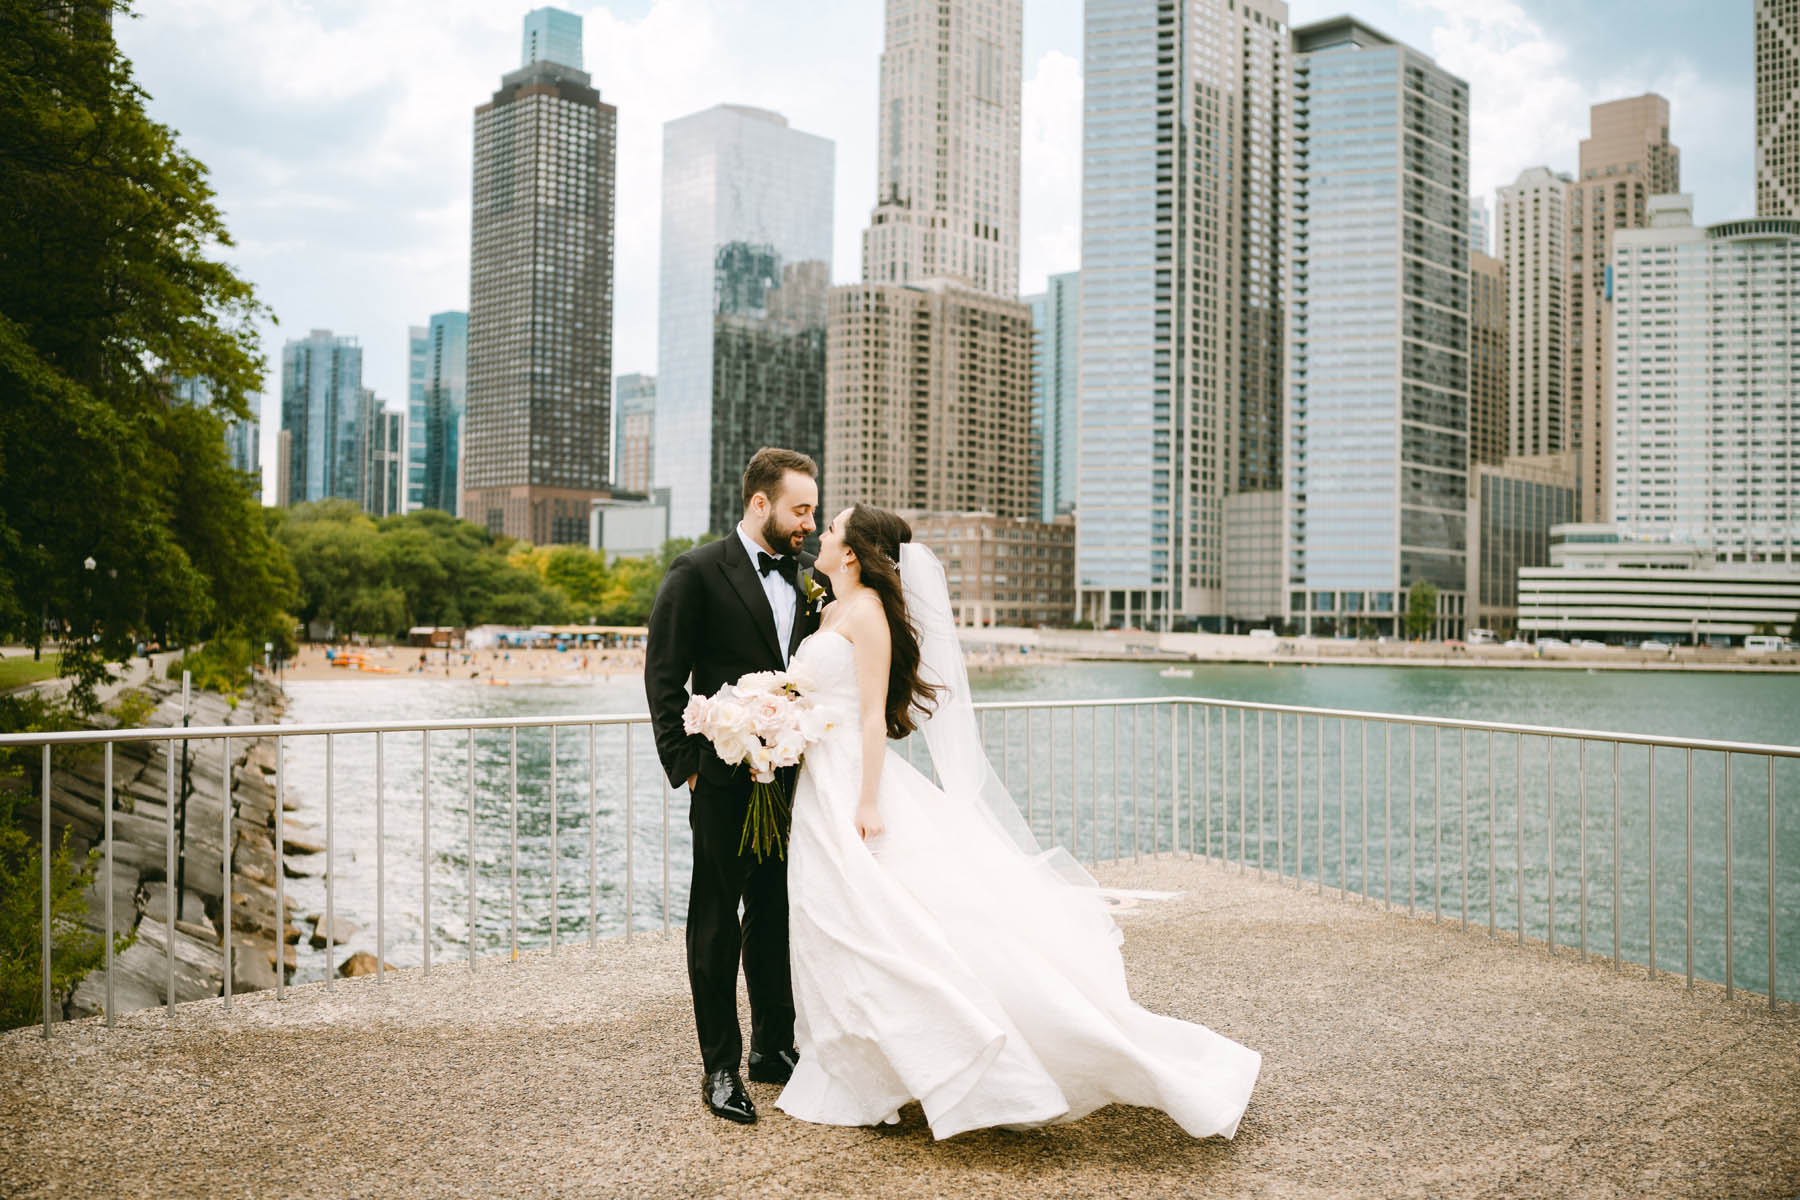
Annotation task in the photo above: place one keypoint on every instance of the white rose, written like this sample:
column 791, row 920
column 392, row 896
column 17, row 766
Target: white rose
column 762, row 763
column 698, row 713
column 789, row 746
column 731, row 745
column 801, row 678
column 770, row 715
column 729, row 715
column 759, row 681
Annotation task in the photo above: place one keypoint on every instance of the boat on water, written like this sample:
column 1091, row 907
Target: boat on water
column 1177, row 672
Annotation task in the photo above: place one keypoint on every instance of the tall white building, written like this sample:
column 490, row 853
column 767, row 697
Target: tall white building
column 1534, row 247
column 947, row 164
column 1705, row 441
column 1184, row 225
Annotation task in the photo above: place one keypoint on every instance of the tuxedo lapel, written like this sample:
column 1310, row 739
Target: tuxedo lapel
column 748, row 585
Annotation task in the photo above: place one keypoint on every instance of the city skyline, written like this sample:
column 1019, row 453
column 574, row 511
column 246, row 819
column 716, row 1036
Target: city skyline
column 371, row 181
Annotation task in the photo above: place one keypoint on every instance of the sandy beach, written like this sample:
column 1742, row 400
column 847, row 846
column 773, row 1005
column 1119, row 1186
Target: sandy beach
column 497, row 665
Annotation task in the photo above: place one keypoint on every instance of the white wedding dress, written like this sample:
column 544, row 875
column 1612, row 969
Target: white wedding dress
column 939, row 963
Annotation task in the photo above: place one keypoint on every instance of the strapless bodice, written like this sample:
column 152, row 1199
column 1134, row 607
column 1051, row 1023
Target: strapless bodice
column 828, row 662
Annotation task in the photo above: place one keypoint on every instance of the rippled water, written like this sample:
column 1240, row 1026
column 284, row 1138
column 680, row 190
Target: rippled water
column 1077, row 783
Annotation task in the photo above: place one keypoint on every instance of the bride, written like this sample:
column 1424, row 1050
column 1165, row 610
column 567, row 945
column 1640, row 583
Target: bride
column 936, row 954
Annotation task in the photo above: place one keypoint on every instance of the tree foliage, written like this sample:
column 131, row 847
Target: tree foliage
column 110, row 290
column 361, row 575
column 1421, row 609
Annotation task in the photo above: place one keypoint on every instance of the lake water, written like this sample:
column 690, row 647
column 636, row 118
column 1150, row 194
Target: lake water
column 1400, row 800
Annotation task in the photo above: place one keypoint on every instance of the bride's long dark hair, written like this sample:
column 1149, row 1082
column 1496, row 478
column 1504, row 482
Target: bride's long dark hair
column 876, row 534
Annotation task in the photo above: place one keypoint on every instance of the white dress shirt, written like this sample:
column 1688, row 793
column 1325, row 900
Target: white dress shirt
column 783, row 598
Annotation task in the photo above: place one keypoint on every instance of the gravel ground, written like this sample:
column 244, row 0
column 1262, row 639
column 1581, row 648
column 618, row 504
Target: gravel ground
column 1399, row 1059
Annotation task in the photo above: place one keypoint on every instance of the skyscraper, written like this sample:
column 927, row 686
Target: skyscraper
column 323, row 414
column 1704, row 411
column 947, row 161
column 928, row 400
column 540, row 300
column 1778, row 108
column 551, row 35
column 383, row 467
column 1378, row 418
column 928, row 371
column 746, row 262
column 634, row 431
column 1534, row 246
column 1487, row 358
column 1626, row 159
column 1481, row 226
column 1056, row 328
column 1185, row 150
column 436, row 406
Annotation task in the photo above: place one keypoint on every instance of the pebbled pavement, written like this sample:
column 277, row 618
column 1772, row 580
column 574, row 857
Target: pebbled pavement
column 1400, row 1059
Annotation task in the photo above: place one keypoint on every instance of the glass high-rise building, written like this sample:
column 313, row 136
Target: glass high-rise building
column 1378, row 417
column 746, row 263
column 551, row 35
column 383, row 456
column 1704, row 357
column 534, row 452
column 437, row 383
column 1056, row 329
column 1185, row 161
column 324, row 417
column 634, row 431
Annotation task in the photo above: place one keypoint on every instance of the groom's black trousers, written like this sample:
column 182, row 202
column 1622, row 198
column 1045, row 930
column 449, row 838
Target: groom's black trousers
column 717, row 939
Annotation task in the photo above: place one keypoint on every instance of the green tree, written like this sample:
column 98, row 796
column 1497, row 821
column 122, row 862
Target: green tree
column 109, row 292
column 1421, row 609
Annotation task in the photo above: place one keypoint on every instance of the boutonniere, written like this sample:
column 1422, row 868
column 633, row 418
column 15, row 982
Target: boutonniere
column 812, row 589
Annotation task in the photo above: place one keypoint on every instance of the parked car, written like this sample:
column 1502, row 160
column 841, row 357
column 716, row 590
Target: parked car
column 1481, row 637
column 1761, row 644
column 1653, row 644
column 1517, row 644
column 1588, row 644
column 1550, row 643
column 1261, row 635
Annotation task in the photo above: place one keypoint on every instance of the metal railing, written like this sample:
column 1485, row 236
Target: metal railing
column 1190, row 765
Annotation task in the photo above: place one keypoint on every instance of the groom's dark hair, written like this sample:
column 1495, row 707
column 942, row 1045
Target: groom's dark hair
column 768, row 465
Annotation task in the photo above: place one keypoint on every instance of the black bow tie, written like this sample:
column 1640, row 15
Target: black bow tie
column 784, row 565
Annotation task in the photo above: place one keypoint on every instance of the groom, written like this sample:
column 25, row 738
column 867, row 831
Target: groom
column 724, row 610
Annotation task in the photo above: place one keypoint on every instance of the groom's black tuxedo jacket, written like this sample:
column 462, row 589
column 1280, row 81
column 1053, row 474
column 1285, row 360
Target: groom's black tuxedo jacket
column 711, row 621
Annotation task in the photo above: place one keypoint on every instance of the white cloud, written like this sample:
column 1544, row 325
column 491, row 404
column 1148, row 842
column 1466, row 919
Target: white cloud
column 1050, row 168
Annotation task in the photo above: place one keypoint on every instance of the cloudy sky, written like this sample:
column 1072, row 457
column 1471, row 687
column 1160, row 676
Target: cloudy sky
column 338, row 131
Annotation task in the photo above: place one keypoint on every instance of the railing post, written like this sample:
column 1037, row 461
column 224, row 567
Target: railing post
column 1280, row 796
column 224, row 867
column 1729, row 949
column 1615, row 857
column 380, row 859
column 46, row 852
column 1650, row 812
column 630, row 881
column 425, row 842
column 1689, row 823
column 1772, row 1002
column 554, row 912
column 106, row 808
column 172, row 907
column 1581, row 842
column 592, row 817
column 512, row 801
column 330, row 870
column 1343, row 821
column 1550, row 842
column 469, row 783
column 1259, row 793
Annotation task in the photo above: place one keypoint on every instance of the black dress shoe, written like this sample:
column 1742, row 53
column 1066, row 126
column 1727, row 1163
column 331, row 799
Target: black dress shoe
column 774, row 1067
column 724, row 1094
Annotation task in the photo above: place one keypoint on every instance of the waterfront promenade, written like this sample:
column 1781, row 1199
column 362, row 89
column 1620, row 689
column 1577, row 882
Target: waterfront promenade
column 1399, row 1059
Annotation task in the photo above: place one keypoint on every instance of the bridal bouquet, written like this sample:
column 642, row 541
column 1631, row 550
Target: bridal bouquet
column 765, row 720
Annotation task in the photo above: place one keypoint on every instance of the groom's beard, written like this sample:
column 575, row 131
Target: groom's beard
column 782, row 540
